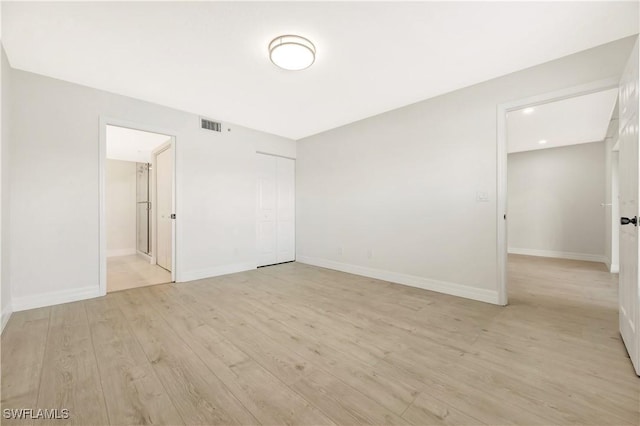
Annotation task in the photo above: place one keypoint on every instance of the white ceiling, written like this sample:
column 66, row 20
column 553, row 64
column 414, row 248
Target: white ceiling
column 210, row 58
column 572, row 121
column 132, row 145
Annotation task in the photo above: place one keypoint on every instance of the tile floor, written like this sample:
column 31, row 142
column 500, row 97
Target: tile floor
column 125, row 272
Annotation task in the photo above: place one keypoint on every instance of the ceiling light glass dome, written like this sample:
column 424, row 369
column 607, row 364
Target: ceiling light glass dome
column 292, row 52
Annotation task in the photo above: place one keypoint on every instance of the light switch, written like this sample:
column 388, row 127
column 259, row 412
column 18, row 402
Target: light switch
column 482, row 196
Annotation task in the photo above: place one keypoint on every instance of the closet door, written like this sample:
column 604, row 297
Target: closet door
column 266, row 225
column 275, row 213
column 286, row 203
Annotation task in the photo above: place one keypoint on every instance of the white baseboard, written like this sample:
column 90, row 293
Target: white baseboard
column 145, row 256
column 479, row 294
column 559, row 254
column 6, row 314
column 612, row 268
column 121, row 252
column 54, row 298
column 216, row 271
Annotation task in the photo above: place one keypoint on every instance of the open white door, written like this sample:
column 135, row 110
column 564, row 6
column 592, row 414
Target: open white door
column 164, row 207
column 629, row 288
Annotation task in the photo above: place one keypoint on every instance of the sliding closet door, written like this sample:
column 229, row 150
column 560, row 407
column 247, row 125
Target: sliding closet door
column 286, row 203
column 275, row 216
column 266, row 225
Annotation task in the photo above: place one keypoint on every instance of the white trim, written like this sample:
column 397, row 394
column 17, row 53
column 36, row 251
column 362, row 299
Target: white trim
column 276, row 155
column 54, row 298
column 121, row 252
column 460, row 290
column 102, row 211
column 144, row 256
column 613, row 268
column 501, row 205
column 560, row 254
column 501, row 145
column 614, row 225
column 152, row 216
column 216, row 271
column 6, row 315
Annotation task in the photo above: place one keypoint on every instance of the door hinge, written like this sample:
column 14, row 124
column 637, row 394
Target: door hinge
column 173, row 215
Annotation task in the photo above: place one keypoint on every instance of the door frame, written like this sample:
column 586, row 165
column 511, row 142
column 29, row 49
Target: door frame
column 102, row 201
column 501, row 190
column 154, row 190
column 614, row 265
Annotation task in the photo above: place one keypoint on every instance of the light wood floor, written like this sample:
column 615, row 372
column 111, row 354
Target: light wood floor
column 295, row 344
column 125, row 272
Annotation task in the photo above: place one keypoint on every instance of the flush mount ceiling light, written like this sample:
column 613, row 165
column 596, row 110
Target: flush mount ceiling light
column 542, row 141
column 292, row 52
column 527, row 111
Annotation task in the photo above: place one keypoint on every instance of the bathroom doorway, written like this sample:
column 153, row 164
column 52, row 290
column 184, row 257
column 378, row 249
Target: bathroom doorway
column 138, row 208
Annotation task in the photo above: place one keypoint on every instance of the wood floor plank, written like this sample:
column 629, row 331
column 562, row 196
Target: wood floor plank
column 259, row 391
column 70, row 377
column 23, row 345
column 388, row 391
column 368, row 315
column 466, row 393
column 426, row 410
column 301, row 345
column 278, row 360
column 132, row 392
column 197, row 393
column 560, row 387
column 343, row 403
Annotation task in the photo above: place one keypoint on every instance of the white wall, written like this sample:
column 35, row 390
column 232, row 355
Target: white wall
column 55, row 188
column 5, row 287
column 394, row 196
column 120, row 183
column 554, row 198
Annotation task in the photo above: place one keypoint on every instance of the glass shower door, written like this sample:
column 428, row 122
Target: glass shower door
column 143, row 206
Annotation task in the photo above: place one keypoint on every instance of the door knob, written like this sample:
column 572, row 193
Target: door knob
column 626, row 221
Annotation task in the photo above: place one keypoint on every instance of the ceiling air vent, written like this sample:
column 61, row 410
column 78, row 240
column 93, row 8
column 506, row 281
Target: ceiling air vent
column 210, row 125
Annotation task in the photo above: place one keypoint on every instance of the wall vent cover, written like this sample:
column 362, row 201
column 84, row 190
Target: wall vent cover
column 210, row 125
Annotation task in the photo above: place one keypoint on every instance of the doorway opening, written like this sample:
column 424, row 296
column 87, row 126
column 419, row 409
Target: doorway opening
column 137, row 207
column 579, row 286
column 543, row 206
